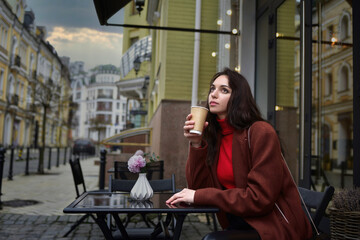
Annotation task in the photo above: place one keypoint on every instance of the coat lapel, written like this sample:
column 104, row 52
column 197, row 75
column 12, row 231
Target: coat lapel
column 240, row 158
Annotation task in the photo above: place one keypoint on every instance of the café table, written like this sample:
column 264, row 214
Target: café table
column 102, row 204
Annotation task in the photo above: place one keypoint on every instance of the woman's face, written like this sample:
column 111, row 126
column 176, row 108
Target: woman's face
column 219, row 96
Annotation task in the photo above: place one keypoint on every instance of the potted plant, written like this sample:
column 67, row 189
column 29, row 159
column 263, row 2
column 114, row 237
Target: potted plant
column 138, row 164
column 345, row 214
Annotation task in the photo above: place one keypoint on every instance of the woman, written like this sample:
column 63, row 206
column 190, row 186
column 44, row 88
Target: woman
column 237, row 166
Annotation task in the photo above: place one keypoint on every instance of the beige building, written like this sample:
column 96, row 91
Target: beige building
column 28, row 66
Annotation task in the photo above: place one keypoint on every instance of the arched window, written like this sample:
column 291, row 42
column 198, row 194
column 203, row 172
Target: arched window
column 344, row 26
column 14, row 45
column 29, row 94
column 343, row 78
column 7, row 130
column 1, row 82
column 328, row 84
column 31, row 61
column 325, row 143
column 11, row 88
column 78, row 90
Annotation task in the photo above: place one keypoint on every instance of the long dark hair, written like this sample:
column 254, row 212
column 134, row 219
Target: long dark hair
column 242, row 110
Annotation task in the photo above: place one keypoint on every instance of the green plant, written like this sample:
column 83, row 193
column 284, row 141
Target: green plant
column 347, row 200
column 152, row 157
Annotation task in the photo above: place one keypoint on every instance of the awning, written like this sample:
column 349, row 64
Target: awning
column 133, row 88
column 105, row 9
column 117, row 139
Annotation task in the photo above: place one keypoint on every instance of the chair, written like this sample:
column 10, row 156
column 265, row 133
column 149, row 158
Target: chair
column 155, row 170
column 316, row 202
column 78, row 180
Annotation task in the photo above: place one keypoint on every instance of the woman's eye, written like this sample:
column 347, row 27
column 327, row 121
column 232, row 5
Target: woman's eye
column 224, row 90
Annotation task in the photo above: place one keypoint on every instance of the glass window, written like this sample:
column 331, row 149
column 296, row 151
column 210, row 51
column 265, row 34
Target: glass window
column 4, row 36
column 343, row 78
column 332, row 117
column 288, row 81
column 344, row 27
column 1, row 82
column 328, row 84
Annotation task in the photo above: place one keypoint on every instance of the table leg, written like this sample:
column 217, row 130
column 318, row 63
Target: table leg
column 100, row 220
column 120, row 226
column 162, row 226
column 180, row 217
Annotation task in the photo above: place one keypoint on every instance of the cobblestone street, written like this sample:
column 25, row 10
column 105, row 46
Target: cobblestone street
column 53, row 191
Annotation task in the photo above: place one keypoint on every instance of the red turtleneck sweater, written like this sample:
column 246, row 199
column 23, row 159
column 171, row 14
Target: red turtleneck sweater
column 224, row 170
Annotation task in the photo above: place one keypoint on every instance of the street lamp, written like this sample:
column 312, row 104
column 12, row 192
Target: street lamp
column 139, row 5
column 137, row 64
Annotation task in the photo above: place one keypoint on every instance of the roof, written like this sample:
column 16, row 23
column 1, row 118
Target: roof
column 116, row 139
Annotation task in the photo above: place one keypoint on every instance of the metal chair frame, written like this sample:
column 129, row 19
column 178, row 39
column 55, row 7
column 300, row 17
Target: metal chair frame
column 78, row 180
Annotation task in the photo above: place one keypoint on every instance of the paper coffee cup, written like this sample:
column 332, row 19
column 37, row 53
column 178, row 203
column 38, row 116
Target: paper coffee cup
column 199, row 116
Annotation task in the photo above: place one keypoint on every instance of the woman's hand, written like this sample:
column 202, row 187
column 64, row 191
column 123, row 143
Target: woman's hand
column 193, row 138
column 186, row 196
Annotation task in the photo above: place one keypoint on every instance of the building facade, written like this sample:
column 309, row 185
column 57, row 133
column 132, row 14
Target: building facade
column 135, row 67
column 101, row 110
column 28, row 65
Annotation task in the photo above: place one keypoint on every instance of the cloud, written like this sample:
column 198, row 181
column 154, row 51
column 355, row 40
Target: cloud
column 89, row 45
column 71, row 13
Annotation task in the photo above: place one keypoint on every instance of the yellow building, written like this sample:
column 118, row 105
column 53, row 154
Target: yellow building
column 135, row 66
column 27, row 65
column 165, row 76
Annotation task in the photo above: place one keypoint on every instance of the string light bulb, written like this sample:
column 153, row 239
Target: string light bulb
column 279, row 108
column 219, row 22
column 213, row 54
column 237, row 68
column 235, row 31
column 227, row 45
column 229, row 12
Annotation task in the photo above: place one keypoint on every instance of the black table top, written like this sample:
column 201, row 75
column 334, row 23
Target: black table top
column 108, row 202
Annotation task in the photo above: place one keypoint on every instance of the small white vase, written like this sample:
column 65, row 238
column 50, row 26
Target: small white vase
column 142, row 189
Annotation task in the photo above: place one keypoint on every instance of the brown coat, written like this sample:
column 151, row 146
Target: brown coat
column 265, row 195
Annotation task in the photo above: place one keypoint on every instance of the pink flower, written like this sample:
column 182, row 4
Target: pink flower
column 139, row 152
column 135, row 163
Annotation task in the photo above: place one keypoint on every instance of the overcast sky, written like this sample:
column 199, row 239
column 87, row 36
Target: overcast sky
column 74, row 30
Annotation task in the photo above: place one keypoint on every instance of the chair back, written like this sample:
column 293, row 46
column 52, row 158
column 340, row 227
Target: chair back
column 77, row 175
column 163, row 185
column 155, row 170
column 159, row 185
column 317, row 202
column 121, row 171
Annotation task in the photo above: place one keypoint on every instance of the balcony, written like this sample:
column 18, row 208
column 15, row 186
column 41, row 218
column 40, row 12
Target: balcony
column 13, row 100
column 15, row 62
column 138, row 112
column 104, row 96
column 141, row 49
column 30, row 107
